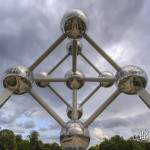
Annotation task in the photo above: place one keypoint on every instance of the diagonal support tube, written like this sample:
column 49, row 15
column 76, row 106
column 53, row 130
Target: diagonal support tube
column 90, row 63
column 58, row 64
column 90, row 95
column 102, row 52
column 101, row 108
column 145, row 97
column 5, row 95
column 47, row 108
column 58, row 95
column 47, row 52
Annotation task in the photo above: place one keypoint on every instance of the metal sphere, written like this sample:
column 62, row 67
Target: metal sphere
column 69, row 112
column 74, row 24
column 131, row 79
column 74, row 136
column 74, row 80
column 109, row 75
column 18, row 79
column 42, row 84
column 70, row 47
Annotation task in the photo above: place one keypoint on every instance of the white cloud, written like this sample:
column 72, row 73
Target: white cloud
column 98, row 134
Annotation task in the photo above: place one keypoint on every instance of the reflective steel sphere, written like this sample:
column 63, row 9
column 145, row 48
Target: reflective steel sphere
column 131, row 79
column 74, row 24
column 42, row 84
column 69, row 112
column 70, row 47
column 18, row 79
column 74, row 136
column 109, row 75
column 74, row 80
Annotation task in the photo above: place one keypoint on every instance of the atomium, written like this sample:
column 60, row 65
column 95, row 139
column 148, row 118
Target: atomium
column 74, row 134
column 18, row 79
column 131, row 79
column 74, row 24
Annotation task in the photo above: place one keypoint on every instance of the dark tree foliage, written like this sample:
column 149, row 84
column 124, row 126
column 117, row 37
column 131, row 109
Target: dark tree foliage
column 119, row 143
column 7, row 140
column 10, row 141
column 34, row 141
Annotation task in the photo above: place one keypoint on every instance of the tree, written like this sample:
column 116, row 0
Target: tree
column 7, row 140
column 55, row 146
column 34, row 141
column 21, row 144
column 118, row 143
column 94, row 147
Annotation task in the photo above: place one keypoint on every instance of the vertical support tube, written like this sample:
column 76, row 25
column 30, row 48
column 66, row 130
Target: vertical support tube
column 74, row 105
column 74, row 56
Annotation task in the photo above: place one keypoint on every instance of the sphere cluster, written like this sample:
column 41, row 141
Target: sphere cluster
column 129, row 80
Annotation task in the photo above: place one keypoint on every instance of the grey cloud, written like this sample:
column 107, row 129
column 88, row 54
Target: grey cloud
column 43, row 129
column 51, row 127
column 27, row 124
column 114, row 122
column 54, row 127
column 136, row 121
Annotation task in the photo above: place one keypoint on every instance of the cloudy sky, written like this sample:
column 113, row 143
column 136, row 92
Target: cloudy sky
column 121, row 28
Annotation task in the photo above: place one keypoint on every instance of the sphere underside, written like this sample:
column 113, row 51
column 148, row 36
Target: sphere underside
column 42, row 84
column 74, row 24
column 70, row 112
column 109, row 75
column 74, row 79
column 75, row 142
column 131, row 79
column 74, row 136
column 18, row 80
column 70, row 47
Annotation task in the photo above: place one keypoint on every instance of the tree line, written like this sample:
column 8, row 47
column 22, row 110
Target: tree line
column 119, row 143
column 10, row 141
